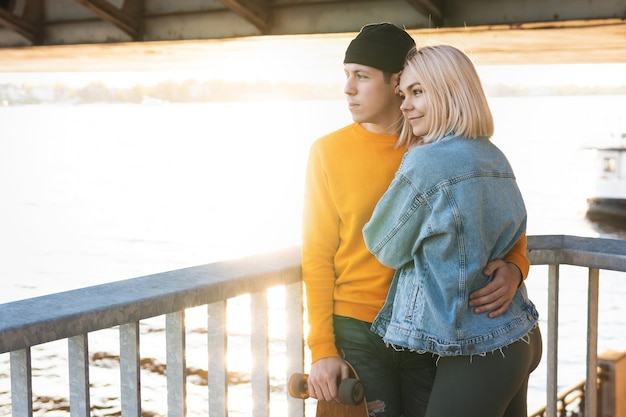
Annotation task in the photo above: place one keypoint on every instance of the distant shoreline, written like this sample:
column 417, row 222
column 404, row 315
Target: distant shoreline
column 193, row 91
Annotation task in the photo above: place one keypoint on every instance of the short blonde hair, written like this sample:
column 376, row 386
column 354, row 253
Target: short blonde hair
column 456, row 99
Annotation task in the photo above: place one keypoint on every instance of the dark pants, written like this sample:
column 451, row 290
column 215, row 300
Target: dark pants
column 397, row 383
column 494, row 385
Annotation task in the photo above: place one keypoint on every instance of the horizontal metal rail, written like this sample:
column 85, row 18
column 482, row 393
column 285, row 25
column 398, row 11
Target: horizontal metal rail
column 62, row 315
column 587, row 252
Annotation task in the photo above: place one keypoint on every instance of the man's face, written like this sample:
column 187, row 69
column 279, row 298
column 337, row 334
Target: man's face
column 370, row 98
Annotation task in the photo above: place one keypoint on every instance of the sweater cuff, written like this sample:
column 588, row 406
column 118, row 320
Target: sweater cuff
column 521, row 262
column 323, row 350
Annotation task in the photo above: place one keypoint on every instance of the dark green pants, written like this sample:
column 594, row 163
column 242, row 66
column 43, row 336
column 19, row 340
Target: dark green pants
column 397, row 382
column 494, row 385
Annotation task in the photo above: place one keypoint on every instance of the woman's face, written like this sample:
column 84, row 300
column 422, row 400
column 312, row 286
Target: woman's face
column 414, row 104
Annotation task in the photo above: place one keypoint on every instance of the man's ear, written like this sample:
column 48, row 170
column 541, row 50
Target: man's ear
column 395, row 81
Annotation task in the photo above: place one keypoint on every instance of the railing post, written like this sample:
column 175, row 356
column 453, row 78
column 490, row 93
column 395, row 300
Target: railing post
column 591, row 387
column 218, row 365
column 130, row 370
column 176, row 364
column 294, row 312
column 21, row 383
column 78, row 352
column 553, row 338
column 259, row 343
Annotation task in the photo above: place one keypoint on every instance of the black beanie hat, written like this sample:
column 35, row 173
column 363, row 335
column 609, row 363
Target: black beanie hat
column 380, row 45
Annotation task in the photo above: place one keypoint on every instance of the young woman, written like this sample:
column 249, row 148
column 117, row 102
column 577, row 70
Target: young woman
column 453, row 206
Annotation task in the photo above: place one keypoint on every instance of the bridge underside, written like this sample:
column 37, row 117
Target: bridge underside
column 35, row 34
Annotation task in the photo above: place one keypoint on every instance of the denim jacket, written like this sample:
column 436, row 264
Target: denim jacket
column 452, row 207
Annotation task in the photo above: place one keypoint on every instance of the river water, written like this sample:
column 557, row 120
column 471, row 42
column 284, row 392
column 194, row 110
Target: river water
column 98, row 193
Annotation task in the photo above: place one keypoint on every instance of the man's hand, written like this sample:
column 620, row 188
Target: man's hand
column 496, row 296
column 323, row 378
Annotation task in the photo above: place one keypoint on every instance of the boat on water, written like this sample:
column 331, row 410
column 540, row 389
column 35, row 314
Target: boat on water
column 609, row 195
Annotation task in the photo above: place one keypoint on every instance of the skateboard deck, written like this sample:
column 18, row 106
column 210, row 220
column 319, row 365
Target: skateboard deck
column 351, row 395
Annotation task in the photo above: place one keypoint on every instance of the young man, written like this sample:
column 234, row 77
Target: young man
column 348, row 171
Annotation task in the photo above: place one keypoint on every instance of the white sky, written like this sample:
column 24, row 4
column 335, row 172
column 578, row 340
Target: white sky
column 571, row 74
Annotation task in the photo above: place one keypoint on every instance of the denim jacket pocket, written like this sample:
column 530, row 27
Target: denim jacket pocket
column 409, row 304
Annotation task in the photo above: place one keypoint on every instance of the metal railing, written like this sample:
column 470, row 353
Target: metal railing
column 569, row 403
column 73, row 315
column 594, row 254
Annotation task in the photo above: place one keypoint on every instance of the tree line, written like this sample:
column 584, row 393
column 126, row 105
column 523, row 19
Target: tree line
column 193, row 91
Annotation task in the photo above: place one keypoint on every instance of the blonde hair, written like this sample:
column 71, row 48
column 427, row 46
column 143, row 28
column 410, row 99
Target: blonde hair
column 454, row 92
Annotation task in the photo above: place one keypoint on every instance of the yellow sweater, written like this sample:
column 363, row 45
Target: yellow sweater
column 347, row 173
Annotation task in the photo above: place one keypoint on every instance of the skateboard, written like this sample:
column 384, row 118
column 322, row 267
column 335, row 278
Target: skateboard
column 350, row 390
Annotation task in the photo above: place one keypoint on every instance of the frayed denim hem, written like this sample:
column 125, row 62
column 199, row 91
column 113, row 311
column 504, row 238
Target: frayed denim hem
column 525, row 339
